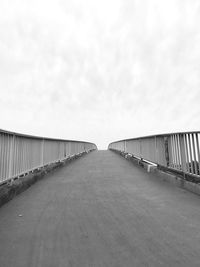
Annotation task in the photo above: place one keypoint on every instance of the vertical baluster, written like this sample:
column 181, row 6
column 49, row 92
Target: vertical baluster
column 170, row 152
column 177, row 152
column 4, row 158
column 11, row 156
column 194, row 153
column 190, row 152
column 1, row 161
column 186, row 152
column 174, row 151
column 198, row 152
column 183, row 153
column 6, row 155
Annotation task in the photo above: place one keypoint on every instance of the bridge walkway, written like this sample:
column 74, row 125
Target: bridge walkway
column 101, row 210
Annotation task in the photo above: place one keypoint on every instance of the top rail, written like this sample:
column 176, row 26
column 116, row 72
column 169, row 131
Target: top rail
column 20, row 153
column 179, row 151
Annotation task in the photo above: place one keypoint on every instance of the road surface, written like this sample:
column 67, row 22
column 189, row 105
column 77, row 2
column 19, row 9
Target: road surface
column 101, row 211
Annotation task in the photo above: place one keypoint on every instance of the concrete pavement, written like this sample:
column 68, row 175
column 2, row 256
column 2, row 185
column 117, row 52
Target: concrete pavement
column 101, row 210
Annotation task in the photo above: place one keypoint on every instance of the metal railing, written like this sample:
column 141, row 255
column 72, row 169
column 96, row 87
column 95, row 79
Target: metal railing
column 21, row 153
column 179, row 151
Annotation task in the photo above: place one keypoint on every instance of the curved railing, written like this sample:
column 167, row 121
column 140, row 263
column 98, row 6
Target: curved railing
column 179, row 151
column 21, row 153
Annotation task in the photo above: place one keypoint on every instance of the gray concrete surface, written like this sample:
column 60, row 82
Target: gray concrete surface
column 101, row 210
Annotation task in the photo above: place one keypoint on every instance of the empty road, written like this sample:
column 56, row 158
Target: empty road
column 101, row 211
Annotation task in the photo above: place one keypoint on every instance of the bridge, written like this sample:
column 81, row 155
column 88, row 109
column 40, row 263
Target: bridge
column 100, row 207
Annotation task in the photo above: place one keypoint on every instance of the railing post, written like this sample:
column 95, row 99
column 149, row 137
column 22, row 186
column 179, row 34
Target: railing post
column 125, row 145
column 194, row 154
column 42, row 153
column 11, row 156
column 198, row 153
column 156, row 151
column 166, row 147
column 183, row 153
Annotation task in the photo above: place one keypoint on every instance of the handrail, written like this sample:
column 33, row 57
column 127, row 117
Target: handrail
column 179, row 151
column 21, row 153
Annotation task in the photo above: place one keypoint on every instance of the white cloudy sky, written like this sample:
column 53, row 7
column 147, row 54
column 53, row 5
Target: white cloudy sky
column 99, row 70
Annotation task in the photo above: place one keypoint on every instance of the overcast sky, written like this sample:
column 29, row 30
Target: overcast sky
column 99, row 70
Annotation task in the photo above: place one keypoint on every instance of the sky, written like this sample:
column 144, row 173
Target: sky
column 99, row 70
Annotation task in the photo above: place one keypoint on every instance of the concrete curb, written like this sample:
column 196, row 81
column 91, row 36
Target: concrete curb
column 178, row 181
column 147, row 166
column 165, row 176
column 19, row 184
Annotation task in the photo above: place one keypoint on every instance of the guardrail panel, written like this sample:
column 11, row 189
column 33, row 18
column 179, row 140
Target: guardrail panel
column 21, row 153
column 180, row 151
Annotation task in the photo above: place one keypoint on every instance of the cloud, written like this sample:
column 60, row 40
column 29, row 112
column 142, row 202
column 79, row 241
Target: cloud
column 99, row 70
